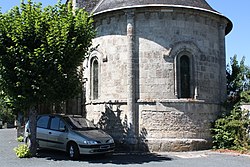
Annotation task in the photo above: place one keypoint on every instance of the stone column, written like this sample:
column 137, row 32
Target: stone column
column 131, row 78
column 222, row 58
column 74, row 4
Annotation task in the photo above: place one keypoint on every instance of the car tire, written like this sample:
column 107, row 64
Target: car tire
column 73, row 151
column 27, row 141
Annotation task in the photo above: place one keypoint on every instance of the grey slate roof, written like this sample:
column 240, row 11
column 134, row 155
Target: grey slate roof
column 111, row 5
column 107, row 5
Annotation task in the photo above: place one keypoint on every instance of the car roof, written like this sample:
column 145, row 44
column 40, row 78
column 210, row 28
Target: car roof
column 62, row 115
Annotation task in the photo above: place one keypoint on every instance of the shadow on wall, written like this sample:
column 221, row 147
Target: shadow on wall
column 111, row 121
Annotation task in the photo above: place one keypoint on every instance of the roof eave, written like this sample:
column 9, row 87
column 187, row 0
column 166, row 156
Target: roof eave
column 227, row 31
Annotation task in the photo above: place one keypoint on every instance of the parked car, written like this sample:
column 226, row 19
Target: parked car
column 73, row 134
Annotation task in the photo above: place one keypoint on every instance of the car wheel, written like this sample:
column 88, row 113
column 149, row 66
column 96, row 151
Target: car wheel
column 73, row 151
column 27, row 141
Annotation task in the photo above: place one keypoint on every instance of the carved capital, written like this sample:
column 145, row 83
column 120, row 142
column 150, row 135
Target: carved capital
column 130, row 22
column 129, row 29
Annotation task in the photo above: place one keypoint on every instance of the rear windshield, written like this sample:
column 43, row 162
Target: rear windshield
column 79, row 123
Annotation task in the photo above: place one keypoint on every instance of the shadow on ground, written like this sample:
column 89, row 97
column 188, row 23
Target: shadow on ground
column 116, row 158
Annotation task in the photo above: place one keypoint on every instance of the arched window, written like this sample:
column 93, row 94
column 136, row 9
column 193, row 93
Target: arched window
column 186, row 73
column 185, row 85
column 94, row 79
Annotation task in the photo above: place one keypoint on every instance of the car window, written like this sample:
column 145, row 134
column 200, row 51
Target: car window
column 80, row 123
column 56, row 124
column 42, row 122
column 62, row 124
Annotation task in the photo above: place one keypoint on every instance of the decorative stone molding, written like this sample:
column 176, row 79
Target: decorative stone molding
column 170, row 101
column 99, row 55
column 181, row 46
column 192, row 50
column 160, row 15
column 112, row 101
column 109, row 20
column 147, row 14
column 174, row 15
column 197, row 18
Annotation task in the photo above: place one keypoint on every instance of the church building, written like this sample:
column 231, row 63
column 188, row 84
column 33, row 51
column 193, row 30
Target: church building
column 156, row 77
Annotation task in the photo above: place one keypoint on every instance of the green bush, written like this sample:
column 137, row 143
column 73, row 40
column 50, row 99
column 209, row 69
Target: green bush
column 20, row 139
column 6, row 115
column 22, row 151
column 231, row 131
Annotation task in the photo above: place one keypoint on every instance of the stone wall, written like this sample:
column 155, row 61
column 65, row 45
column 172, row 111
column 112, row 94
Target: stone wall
column 111, row 53
column 112, row 117
column 159, row 33
column 162, row 121
column 167, row 124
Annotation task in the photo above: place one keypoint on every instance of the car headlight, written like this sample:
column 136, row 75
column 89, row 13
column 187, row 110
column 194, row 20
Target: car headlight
column 89, row 142
column 110, row 141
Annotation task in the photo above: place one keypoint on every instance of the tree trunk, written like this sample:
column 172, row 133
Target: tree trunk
column 32, row 125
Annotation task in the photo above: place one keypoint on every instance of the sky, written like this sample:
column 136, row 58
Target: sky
column 237, row 41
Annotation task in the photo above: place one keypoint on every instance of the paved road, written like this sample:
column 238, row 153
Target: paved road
column 50, row 158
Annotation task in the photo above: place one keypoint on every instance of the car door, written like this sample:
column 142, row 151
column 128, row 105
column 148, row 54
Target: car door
column 57, row 134
column 42, row 130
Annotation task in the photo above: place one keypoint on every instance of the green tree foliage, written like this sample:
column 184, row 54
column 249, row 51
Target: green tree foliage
column 238, row 75
column 231, row 129
column 6, row 112
column 40, row 52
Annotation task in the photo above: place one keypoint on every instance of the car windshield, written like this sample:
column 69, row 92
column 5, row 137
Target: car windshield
column 79, row 123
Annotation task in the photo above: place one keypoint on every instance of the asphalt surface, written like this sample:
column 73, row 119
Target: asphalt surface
column 48, row 158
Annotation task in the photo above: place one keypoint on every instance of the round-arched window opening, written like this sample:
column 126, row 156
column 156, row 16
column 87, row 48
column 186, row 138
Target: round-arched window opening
column 94, row 79
column 185, row 77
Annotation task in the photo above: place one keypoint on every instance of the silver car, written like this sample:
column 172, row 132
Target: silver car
column 73, row 134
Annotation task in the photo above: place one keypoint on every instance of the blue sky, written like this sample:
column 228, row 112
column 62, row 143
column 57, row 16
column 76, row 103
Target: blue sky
column 8, row 4
column 237, row 42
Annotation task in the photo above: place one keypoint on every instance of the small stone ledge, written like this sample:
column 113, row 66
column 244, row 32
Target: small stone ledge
column 170, row 101
column 124, row 101
column 177, row 145
column 106, row 102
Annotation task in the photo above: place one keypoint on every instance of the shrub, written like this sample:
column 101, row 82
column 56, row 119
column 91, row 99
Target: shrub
column 20, row 139
column 6, row 115
column 22, row 151
column 231, row 131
